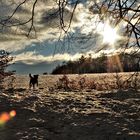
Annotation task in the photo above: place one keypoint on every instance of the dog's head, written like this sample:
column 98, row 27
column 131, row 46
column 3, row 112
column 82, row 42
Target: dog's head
column 36, row 76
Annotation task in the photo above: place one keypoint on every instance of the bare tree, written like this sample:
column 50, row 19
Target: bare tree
column 116, row 11
column 126, row 11
column 4, row 62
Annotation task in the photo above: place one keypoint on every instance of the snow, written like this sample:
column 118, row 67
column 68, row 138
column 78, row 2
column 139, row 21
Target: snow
column 45, row 114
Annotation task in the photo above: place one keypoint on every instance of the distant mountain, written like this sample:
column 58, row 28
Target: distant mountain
column 39, row 68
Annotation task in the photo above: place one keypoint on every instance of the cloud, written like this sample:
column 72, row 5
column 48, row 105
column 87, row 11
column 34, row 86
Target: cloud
column 17, row 34
column 51, row 18
column 34, row 58
column 82, row 36
column 47, row 26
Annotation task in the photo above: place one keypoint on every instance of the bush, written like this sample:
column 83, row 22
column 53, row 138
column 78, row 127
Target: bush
column 5, row 58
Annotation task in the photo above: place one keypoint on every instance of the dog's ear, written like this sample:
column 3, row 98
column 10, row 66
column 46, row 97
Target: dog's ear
column 35, row 76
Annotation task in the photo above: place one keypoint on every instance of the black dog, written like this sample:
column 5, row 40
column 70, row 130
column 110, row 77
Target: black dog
column 33, row 81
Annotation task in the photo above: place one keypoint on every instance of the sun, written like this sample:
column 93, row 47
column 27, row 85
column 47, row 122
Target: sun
column 109, row 34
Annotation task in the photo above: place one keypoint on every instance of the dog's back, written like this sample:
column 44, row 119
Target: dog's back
column 33, row 80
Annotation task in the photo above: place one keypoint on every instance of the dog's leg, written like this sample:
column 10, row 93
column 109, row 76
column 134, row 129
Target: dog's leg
column 33, row 86
column 30, row 85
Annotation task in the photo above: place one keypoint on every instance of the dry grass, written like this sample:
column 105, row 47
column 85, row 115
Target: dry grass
column 83, row 113
column 100, row 82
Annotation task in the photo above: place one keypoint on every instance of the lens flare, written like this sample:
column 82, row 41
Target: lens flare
column 5, row 117
column 12, row 113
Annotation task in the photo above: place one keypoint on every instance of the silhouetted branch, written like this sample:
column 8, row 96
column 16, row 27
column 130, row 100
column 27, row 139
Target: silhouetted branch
column 7, row 22
column 116, row 11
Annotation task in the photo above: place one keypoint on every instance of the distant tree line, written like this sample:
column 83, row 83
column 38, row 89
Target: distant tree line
column 122, row 62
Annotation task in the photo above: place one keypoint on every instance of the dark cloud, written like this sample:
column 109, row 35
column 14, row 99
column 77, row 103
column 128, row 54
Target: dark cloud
column 22, row 10
column 52, row 17
column 6, row 9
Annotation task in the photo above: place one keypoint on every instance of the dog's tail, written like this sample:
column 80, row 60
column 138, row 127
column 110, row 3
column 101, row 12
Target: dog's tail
column 30, row 75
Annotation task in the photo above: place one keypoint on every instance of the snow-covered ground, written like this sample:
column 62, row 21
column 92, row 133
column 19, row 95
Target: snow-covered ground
column 54, row 114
